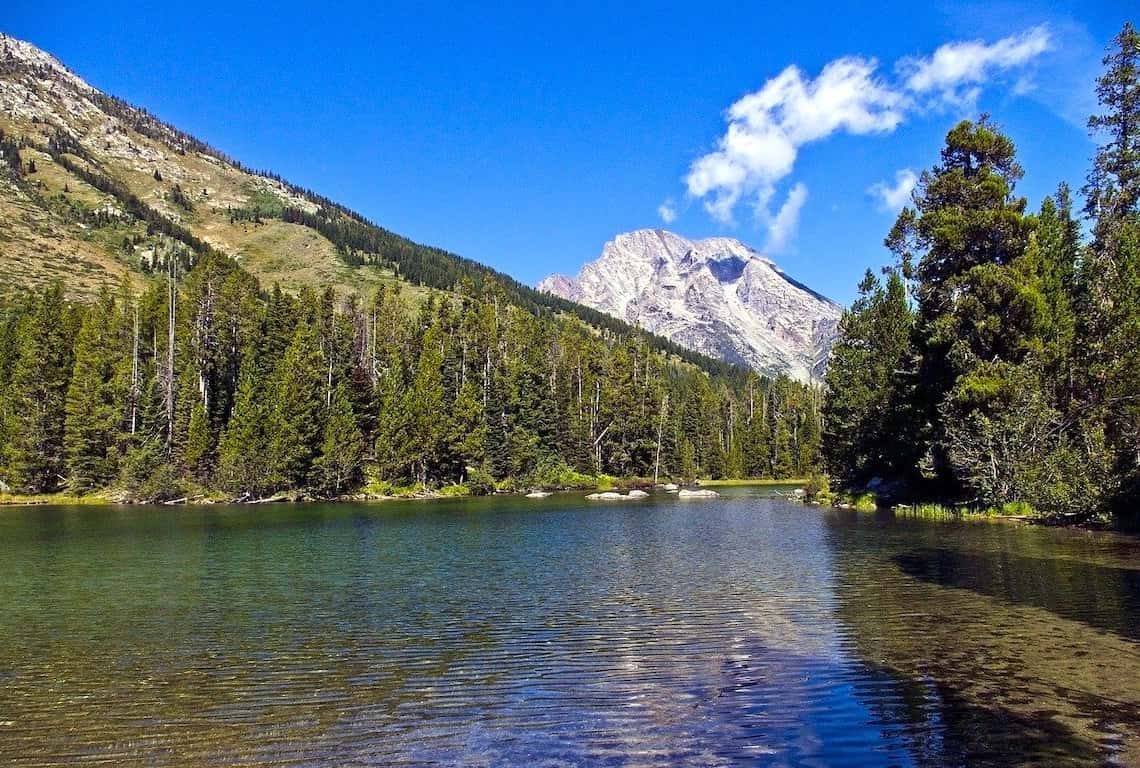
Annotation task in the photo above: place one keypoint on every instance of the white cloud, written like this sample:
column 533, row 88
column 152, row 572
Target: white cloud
column 783, row 225
column 1024, row 86
column 957, row 64
column 667, row 212
column 894, row 197
column 766, row 129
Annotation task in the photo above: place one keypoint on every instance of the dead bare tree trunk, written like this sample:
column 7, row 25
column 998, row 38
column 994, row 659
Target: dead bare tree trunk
column 135, row 372
column 172, row 313
column 660, row 431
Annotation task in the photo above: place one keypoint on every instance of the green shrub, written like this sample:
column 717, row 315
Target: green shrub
column 480, row 482
column 164, row 484
column 507, row 485
column 458, row 489
column 1018, row 508
column 553, row 472
column 387, row 489
column 376, row 487
column 146, row 475
column 818, row 488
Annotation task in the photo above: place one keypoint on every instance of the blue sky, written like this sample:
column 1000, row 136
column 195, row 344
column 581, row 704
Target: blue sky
column 526, row 135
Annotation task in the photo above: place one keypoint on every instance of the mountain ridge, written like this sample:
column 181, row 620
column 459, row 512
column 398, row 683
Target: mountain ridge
column 715, row 295
column 94, row 190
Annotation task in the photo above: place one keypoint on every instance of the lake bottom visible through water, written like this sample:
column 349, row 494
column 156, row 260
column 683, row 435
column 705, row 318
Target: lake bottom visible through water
column 745, row 630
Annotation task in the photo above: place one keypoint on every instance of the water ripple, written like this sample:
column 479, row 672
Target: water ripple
column 487, row 633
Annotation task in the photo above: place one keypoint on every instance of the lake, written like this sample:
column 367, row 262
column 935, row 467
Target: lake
column 740, row 631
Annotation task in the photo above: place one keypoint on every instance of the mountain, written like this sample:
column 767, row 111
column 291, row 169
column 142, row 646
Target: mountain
column 95, row 191
column 716, row 296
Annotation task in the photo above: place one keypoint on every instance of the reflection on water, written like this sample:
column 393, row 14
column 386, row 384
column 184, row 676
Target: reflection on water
column 1105, row 597
column 1020, row 643
column 523, row 632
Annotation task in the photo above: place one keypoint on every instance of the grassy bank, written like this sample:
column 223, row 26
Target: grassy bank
column 934, row 511
column 1017, row 511
column 19, row 499
column 866, row 502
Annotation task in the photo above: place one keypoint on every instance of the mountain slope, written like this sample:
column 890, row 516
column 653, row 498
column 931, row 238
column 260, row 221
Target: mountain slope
column 94, row 191
column 716, row 296
column 101, row 190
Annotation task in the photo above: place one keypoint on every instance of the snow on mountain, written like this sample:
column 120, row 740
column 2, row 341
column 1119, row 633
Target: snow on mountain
column 716, row 296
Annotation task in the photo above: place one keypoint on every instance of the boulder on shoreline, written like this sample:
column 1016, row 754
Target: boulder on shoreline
column 700, row 493
column 636, row 494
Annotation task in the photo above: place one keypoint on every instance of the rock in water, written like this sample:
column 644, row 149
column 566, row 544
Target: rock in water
column 700, row 493
column 717, row 296
column 615, row 496
column 538, row 494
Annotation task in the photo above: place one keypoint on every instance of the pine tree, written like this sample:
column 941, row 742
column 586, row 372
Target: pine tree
column 295, row 414
column 342, row 448
column 497, row 447
column 391, row 443
column 1055, row 252
column 97, row 398
column 427, row 419
column 34, row 455
column 198, row 455
column 966, row 228
column 243, row 448
column 10, row 317
column 468, row 427
column 1113, row 188
column 868, row 385
column 807, row 443
column 1110, row 273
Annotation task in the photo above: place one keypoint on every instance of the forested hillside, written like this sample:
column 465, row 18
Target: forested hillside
column 999, row 363
column 209, row 383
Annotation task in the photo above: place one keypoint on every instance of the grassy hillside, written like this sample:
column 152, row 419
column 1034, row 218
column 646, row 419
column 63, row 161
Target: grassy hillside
column 54, row 223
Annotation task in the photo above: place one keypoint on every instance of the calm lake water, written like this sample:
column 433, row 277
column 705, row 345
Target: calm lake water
column 741, row 631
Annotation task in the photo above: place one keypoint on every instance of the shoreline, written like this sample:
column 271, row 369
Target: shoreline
column 110, row 498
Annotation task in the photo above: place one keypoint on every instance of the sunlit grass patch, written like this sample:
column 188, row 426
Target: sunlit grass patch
column 19, row 499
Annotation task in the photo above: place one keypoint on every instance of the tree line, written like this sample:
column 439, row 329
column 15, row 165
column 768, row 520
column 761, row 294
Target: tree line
column 207, row 382
column 996, row 361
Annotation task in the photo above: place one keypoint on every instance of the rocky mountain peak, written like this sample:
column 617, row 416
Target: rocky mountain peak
column 19, row 53
column 717, row 295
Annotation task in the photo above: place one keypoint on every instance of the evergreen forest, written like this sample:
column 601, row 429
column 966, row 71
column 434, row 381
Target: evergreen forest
column 995, row 363
column 207, row 385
